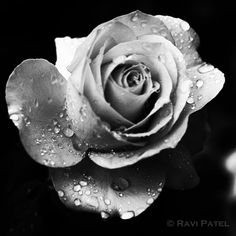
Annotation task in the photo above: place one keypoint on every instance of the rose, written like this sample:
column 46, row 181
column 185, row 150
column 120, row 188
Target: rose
column 130, row 88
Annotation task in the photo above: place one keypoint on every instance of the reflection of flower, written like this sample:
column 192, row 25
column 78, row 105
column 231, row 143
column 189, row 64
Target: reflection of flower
column 132, row 84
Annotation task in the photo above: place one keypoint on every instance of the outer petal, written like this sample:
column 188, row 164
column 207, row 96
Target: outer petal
column 185, row 38
column 145, row 24
column 35, row 94
column 213, row 81
column 57, row 125
column 65, row 49
column 127, row 191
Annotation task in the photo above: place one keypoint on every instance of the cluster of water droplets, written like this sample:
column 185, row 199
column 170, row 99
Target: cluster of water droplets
column 198, row 83
column 138, row 21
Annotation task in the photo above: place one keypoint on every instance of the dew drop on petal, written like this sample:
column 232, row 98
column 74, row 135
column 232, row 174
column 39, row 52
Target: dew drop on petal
column 120, row 184
column 107, row 201
column 83, row 183
column 127, row 215
column 150, row 201
column 56, row 130
column 190, row 100
column 184, row 25
column 77, row 202
column 143, row 24
column 105, row 215
column 199, row 83
column 77, row 188
column 199, row 97
column 14, row 117
column 161, row 58
column 87, row 192
column 68, row 132
column 134, row 18
column 205, row 68
column 60, row 193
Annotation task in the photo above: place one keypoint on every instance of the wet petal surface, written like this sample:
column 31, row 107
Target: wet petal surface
column 127, row 191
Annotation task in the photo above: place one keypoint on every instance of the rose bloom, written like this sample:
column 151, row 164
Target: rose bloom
column 107, row 118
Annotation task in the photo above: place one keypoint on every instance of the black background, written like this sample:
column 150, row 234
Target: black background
column 28, row 30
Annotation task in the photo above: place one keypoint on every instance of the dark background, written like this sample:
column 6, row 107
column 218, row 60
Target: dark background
column 32, row 207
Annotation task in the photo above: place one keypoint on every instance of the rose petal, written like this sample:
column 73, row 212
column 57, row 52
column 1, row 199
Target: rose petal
column 185, row 38
column 213, row 83
column 144, row 24
column 65, row 49
column 159, row 73
column 35, row 94
column 99, row 104
column 96, row 39
column 127, row 191
column 129, row 105
column 96, row 66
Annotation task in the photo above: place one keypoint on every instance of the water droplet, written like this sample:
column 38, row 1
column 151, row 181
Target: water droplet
column 61, row 115
column 105, row 215
column 190, row 100
column 166, row 140
column 27, row 121
column 159, row 189
column 68, row 132
column 49, row 100
column 36, row 103
column 14, row 117
column 161, row 58
column 83, row 183
column 135, row 17
column 150, row 201
column 120, row 184
column 184, row 25
column 199, row 97
column 107, row 201
column 60, row 193
column 121, row 194
column 77, row 188
column 205, row 68
column 54, row 121
column 87, row 192
column 143, row 24
column 80, row 192
column 77, row 202
column 199, row 83
column 193, row 106
column 56, row 130
column 127, row 215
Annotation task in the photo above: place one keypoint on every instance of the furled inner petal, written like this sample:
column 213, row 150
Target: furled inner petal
column 128, row 104
column 100, row 105
column 127, row 191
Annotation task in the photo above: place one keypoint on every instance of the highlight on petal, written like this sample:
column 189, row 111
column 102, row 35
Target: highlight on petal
column 127, row 191
column 35, row 95
column 185, row 38
column 65, row 50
